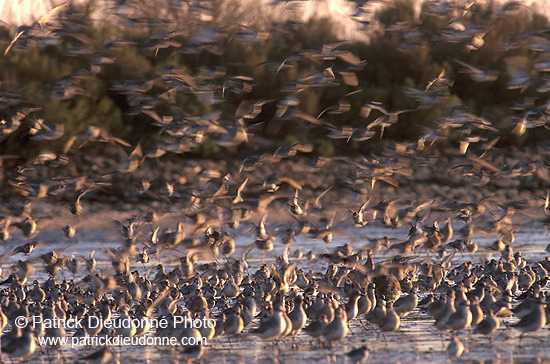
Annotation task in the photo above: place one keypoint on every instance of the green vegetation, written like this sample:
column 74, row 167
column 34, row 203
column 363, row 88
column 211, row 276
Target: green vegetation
column 118, row 74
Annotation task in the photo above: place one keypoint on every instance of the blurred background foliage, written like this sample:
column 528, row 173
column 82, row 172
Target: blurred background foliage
column 112, row 73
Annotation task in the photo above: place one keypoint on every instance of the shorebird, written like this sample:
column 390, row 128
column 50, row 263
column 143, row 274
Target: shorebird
column 230, row 289
column 338, row 328
column 489, row 324
column 364, row 304
column 391, row 321
column 387, row 286
column 37, row 294
column 377, row 314
column 274, row 326
column 406, row 304
column 387, row 119
column 434, row 237
column 460, row 319
column 415, row 241
column 324, row 233
column 533, row 321
column 359, row 217
column 478, row 74
column 295, row 207
column 297, row 316
column 264, row 241
column 76, row 207
column 446, row 231
column 352, row 308
column 5, row 231
column 208, row 331
column 28, row 248
column 233, row 324
column 124, row 324
column 55, row 333
column 317, row 327
column 69, row 231
column 19, row 344
column 187, row 335
column 358, row 355
column 527, row 305
column 443, row 313
column 27, row 226
column 477, row 312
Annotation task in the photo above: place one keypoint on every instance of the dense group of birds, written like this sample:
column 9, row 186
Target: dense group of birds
column 228, row 212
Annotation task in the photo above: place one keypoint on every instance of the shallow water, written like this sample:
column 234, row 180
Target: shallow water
column 416, row 341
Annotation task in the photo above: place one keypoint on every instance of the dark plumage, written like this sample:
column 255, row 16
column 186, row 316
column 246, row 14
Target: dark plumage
column 387, row 286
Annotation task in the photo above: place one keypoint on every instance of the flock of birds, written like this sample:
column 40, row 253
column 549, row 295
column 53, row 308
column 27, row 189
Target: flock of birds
column 197, row 271
column 281, row 298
